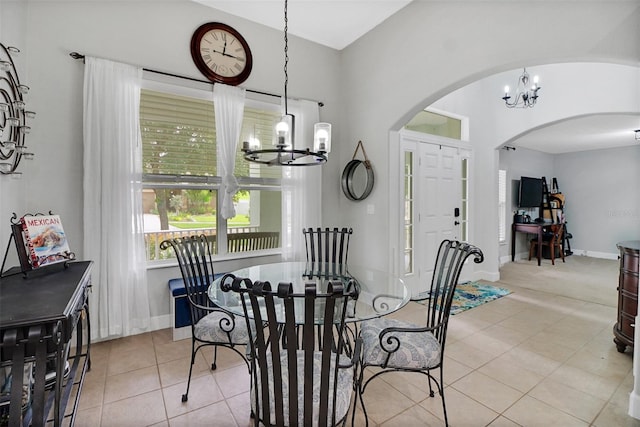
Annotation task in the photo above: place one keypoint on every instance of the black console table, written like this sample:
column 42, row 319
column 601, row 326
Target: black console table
column 38, row 316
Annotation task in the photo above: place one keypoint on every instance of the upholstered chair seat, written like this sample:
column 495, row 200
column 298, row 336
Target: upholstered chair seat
column 417, row 350
column 343, row 391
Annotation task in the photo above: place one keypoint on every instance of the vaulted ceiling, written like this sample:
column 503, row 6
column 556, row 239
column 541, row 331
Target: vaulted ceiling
column 338, row 23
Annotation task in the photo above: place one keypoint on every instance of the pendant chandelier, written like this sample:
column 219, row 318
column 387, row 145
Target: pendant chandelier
column 284, row 151
column 525, row 95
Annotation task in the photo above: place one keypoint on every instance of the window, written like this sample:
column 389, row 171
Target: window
column 502, row 205
column 436, row 124
column 180, row 174
column 464, row 181
column 408, row 213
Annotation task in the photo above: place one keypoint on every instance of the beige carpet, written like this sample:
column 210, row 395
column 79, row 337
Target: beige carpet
column 584, row 278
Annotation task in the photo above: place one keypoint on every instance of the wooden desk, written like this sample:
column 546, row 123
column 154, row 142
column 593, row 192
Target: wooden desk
column 532, row 228
column 38, row 316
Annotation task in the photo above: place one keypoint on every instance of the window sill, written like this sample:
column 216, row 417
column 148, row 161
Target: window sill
column 152, row 265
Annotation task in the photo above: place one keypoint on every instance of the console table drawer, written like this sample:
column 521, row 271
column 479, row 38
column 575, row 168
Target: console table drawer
column 626, row 326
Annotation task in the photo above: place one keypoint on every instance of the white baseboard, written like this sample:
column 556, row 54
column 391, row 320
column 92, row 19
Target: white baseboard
column 575, row 252
column 487, row 276
column 164, row 322
column 634, row 404
column 507, row 258
column 182, row 333
column 160, row 322
column 595, row 254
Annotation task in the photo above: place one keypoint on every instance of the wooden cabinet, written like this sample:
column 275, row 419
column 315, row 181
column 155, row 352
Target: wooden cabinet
column 624, row 328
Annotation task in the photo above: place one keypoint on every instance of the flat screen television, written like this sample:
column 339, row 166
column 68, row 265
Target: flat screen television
column 530, row 195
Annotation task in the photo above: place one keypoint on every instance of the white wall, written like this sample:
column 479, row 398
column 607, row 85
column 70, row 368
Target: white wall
column 519, row 163
column 13, row 191
column 425, row 51
column 155, row 36
column 602, row 198
column 602, row 207
column 428, row 49
column 492, row 127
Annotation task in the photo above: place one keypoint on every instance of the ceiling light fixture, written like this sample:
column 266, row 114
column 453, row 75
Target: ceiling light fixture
column 284, row 152
column 525, row 96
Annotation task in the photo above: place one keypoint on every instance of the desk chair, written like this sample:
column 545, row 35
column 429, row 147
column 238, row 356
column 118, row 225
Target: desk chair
column 553, row 240
column 210, row 325
column 301, row 374
column 391, row 345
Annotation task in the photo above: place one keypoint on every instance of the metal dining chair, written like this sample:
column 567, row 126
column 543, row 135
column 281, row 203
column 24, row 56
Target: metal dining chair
column 391, row 345
column 210, row 325
column 301, row 370
column 328, row 245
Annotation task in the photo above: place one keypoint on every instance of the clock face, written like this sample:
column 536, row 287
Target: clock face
column 221, row 53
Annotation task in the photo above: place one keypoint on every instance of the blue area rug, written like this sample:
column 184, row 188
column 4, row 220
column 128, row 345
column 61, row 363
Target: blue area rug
column 472, row 294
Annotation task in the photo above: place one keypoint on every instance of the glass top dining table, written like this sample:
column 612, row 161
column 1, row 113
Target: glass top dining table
column 378, row 293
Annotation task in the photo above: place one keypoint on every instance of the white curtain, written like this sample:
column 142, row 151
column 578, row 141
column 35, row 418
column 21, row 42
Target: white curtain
column 301, row 186
column 228, row 102
column 113, row 221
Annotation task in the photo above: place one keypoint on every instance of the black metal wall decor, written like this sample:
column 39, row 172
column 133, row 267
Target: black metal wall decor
column 358, row 177
column 13, row 114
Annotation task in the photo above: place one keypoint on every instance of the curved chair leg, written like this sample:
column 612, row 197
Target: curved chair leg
column 431, row 393
column 441, row 390
column 215, row 356
column 360, row 391
column 185, row 396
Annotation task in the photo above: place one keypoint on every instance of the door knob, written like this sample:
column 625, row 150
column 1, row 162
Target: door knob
column 456, row 222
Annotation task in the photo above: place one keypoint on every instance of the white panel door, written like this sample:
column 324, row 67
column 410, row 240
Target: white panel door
column 439, row 193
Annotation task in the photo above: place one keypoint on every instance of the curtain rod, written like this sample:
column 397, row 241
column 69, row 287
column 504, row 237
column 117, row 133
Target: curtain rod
column 76, row 55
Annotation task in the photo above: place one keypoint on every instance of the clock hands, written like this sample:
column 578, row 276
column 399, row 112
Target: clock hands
column 223, row 53
column 220, row 53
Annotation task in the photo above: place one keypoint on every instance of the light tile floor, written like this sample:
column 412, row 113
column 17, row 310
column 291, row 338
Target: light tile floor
column 541, row 356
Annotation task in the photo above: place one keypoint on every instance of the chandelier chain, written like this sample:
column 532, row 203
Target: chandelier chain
column 284, row 152
column 286, row 56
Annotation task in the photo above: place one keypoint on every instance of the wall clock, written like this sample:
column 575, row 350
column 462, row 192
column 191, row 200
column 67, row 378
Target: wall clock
column 221, row 53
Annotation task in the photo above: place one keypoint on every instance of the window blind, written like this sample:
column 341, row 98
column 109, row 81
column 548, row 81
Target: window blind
column 179, row 136
column 502, row 205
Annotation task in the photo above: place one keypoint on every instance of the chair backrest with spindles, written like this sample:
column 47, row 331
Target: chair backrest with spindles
column 297, row 359
column 327, row 245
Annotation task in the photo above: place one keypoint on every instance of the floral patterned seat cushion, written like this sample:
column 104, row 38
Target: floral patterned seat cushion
column 214, row 325
column 344, row 389
column 418, row 350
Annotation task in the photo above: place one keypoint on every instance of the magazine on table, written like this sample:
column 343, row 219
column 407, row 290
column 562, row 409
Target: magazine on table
column 45, row 240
